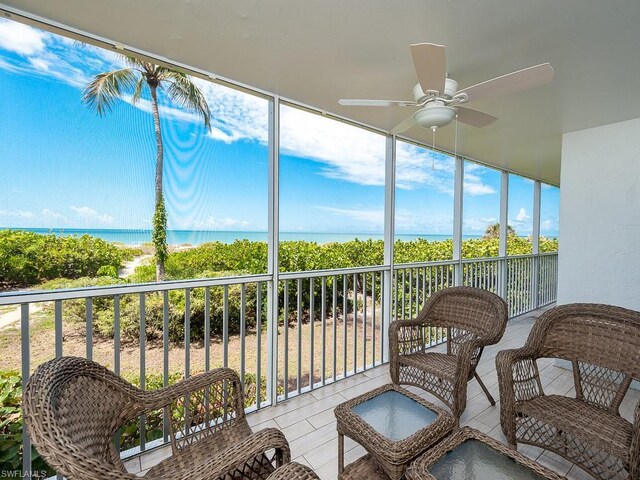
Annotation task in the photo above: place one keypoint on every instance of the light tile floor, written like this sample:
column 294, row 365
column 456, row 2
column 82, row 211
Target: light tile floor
column 309, row 424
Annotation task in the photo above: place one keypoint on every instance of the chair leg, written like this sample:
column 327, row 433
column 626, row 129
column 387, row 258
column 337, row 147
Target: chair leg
column 484, row 389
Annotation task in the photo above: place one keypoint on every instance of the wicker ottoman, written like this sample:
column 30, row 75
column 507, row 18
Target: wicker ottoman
column 469, row 454
column 394, row 426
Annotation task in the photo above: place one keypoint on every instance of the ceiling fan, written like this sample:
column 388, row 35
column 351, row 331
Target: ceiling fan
column 438, row 96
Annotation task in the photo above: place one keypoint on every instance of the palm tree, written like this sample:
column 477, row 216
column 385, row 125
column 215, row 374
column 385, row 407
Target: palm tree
column 138, row 76
column 493, row 231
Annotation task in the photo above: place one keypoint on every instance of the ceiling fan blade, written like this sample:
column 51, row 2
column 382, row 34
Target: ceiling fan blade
column 475, row 118
column 431, row 65
column 403, row 126
column 355, row 102
column 511, row 82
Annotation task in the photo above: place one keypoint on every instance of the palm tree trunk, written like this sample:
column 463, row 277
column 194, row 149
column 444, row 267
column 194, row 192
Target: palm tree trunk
column 159, row 234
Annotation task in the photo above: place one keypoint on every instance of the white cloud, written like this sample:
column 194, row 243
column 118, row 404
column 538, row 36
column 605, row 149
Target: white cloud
column 40, row 64
column 211, row 223
column 53, row 215
column 522, row 215
column 90, row 214
column 235, row 115
column 16, row 214
column 474, row 189
column 49, row 55
column 21, row 39
column 373, row 217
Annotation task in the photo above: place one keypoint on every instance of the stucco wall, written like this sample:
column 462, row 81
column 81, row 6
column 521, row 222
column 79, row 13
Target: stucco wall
column 599, row 252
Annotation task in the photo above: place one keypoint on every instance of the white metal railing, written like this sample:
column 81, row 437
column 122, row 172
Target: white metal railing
column 330, row 324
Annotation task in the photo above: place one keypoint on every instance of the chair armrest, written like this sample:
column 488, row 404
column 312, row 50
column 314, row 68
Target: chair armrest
column 244, row 452
column 293, row 471
column 518, row 380
column 634, row 452
column 405, row 336
column 163, row 397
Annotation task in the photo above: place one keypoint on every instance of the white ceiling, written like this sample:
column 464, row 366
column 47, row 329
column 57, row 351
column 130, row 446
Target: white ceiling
column 318, row 51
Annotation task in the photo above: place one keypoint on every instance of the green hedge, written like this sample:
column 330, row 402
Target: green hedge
column 28, row 258
column 245, row 257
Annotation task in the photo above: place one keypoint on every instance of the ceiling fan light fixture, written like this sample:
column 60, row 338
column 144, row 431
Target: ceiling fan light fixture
column 434, row 116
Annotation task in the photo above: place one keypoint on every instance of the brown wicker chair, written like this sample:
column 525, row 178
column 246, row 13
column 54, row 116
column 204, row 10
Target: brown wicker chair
column 471, row 319
column 603, row 345
column 73, row 408
column 293, row 471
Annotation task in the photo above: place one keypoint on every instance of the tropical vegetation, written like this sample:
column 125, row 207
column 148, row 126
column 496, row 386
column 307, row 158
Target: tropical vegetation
column 28, row 258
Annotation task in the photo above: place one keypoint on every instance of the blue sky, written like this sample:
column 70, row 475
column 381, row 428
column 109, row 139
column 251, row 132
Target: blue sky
column 65, row 167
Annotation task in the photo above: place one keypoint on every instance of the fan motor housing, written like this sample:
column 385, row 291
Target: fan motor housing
column 450, row 89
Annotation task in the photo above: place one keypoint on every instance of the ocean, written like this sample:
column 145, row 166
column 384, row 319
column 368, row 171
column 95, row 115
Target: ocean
column 196, row 237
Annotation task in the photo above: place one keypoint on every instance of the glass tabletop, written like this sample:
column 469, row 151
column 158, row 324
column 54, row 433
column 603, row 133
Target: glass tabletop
column 394, row 415
column 474, row 460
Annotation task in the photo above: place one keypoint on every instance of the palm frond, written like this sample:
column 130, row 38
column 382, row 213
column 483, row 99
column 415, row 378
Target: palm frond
column 106, row 88
column 137, row 91
column 186, row 94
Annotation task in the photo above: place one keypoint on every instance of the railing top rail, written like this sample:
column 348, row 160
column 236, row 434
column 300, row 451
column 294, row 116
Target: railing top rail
column 331, row 272
column 527, row 255
column 35, row 296
column 400, row 266
column 110, row 290
column 481, row 259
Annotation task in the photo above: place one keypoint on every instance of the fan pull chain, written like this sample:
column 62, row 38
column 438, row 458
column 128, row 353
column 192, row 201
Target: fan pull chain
column 433, row 149
column 455, row 142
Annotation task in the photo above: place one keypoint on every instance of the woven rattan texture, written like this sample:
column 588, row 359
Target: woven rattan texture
column 73, row 408
column 392, row 456
column 602, row 342
column 472, row 319
column 365, row 468
column 419, row 469
column 293, row 471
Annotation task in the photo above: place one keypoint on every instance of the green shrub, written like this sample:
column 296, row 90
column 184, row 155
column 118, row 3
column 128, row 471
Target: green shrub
column 27, row 258
column 11, row 427
column 107, row 271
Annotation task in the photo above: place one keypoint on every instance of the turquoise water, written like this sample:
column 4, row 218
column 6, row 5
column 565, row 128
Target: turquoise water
column 196, row 237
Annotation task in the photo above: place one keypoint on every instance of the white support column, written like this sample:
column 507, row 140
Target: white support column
column 389, row 229
column 504, row 220
column 535, row 243
column 535, row 234
column 457, row 220
column 273, row 239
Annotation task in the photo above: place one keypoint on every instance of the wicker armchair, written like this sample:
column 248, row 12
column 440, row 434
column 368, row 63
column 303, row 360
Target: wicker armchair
column 73, row 408
column 471, row 319
column 603, row 345
column 293, row 471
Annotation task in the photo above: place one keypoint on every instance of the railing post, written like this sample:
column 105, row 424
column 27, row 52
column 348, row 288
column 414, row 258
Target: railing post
column 389, row 217
column 273, row 239
column 457, row 221
column 535, row 244
column 26, row 362
column 504, row 219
